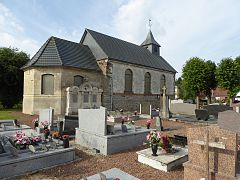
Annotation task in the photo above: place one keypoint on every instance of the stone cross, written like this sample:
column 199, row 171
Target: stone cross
column 207, row 145
column 165, row 113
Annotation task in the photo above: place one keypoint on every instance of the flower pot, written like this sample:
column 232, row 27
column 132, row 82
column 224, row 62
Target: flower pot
column 154, row 149
column 66, row 143
column 46, row 134
column 35, row 125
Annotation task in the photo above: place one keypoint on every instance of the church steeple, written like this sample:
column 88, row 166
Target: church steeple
column 151, row 44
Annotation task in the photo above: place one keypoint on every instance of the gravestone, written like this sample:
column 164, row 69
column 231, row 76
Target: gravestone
column 46, row 115
column 93, row 120
column 159, row 123
column 212, row 154
column 60, row 128
column 202, row 114
column 215, row 109
column 229, row 120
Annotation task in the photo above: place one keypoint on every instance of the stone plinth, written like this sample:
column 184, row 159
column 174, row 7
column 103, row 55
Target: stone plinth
column 164, row 161
column 27, row 162
column 112, row 174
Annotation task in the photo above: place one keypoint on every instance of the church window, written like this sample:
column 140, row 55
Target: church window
column 47, row 84
column 78, row 80
column 162, row 82
column 155, row 49
column 128, row 80
column 147, row 83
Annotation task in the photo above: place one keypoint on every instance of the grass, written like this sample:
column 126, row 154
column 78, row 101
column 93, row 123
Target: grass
column 5, row 114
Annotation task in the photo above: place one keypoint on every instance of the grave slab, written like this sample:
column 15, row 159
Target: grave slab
column 164, row 161
column 112, row 174
column 26, row 162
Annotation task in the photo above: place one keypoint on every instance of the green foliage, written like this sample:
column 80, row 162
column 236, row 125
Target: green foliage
column 11, row 76
column 228, row 75
column 183, row 91
column 210, row 77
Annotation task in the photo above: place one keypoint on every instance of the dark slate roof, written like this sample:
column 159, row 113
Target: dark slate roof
column 60, row 52
column 123, row 51
column 150, row 40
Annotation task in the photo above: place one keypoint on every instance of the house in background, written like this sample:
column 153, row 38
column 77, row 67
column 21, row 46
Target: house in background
column 219, row 94
column 115, row 73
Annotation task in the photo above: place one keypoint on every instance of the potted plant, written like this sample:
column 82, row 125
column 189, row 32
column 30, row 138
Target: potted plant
column 45, row 124
column 153, row 139
column 166, row 144
column 65, row 139
column 148, row 123
column 21, row 140
column 35, row 140
column 55, row 135
column 132, row 124
column 35, row 122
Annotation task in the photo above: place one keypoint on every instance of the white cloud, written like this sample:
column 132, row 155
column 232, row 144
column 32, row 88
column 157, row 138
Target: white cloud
column 12, row 33
column 183, row 28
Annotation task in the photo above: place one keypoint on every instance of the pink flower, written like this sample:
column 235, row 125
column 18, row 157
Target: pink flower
column 148, row 137
column 159, row 134
column 149, row 121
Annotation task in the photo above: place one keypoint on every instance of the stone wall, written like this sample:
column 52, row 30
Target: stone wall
column 33, row 100
column 118, row 77
column 130, row 102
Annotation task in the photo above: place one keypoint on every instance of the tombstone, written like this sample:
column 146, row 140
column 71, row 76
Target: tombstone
column 202, row 114
column 215, row 109
column 93, row 120
column 124, row 128
column 32, row 148
column 60, row 128
column 46, row 115
column 159, row 123
column 229, row 120
column 13, row 151
column 212, row 154
column 165, row 109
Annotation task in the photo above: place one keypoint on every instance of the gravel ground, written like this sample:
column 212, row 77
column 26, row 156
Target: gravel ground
column 94, row 163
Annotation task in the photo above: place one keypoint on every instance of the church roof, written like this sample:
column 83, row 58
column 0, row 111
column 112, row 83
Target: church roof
column 150, row 40
column 60, row 52
column 104, row 46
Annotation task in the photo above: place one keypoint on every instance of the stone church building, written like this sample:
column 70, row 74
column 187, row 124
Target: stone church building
column 100, row 70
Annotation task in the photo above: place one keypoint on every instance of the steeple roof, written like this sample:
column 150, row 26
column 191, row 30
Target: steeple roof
column 150, row 40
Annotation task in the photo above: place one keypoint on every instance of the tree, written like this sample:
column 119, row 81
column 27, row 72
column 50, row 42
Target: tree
column 11, row 76
column 196, row 76
column 210, row 79
column 183, row 91
column 228, row 76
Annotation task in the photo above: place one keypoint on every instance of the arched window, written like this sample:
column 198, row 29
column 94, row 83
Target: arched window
column 47, row 84
column 77, row 80
column 147, row 83
column 128, row 80
column 162, row 82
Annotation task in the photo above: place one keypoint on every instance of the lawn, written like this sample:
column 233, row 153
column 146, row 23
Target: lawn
column 6, row 114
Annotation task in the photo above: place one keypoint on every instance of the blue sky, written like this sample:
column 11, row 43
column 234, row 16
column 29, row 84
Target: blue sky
column 209, row 29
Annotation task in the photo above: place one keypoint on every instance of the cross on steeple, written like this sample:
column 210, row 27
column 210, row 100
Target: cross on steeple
column 149, row 24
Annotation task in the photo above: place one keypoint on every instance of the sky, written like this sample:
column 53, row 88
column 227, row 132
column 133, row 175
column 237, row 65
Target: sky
column 208, row 29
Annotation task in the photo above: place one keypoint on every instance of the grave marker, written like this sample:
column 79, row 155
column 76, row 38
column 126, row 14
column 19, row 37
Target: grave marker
column 46, row 115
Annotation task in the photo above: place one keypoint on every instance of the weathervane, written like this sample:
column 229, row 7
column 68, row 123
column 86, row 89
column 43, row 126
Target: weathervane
column 149, row 24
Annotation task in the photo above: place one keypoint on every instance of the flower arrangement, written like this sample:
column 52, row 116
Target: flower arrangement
column 135, row 113
column 131, row 122
column 153, row 137
column 35, row 140
column 166, row 144
column 21, row 139
column 55, row 135
column 65, row 136
column 35, row 120
column 148, row 123
column 45, row 124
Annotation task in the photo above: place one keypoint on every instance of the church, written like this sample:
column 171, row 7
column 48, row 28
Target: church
column 100, row 70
